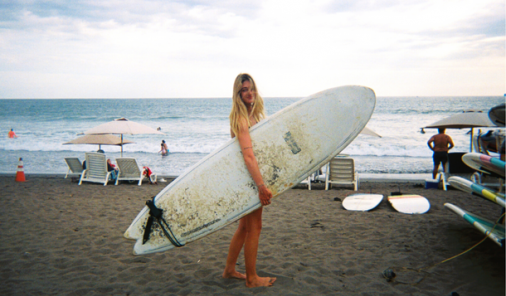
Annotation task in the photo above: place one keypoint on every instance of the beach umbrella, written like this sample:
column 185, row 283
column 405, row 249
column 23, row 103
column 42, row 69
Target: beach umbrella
column 369, row 132
column 466, row 119
column 496, row 114
column 105, row 139
column 122, row 126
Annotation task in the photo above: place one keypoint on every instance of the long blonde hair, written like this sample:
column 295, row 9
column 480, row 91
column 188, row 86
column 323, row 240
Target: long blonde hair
column 239, row 111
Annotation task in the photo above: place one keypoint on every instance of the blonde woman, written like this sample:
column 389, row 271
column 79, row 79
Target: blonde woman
column 247, row 110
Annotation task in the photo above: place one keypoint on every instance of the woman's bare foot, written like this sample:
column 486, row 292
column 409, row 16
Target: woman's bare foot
column 260, row 282
column 234, row 275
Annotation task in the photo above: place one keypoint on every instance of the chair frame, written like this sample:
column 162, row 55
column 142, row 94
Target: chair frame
column 337, row 165
column 75, row 166
column 129, row 170
column 96, row 169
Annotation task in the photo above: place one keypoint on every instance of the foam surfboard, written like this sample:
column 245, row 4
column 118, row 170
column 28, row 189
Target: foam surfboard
column 471, row 187
column 409, row 204
column 362, row 202
column 484, row 163
column 289, row 145
column 494, row 232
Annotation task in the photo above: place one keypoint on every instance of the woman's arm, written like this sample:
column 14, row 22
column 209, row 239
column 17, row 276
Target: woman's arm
column 251, row 163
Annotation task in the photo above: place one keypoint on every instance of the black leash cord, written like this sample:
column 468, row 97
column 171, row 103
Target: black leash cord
column 156, row 213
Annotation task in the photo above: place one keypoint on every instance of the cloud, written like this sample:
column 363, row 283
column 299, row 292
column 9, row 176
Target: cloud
column 195, row 48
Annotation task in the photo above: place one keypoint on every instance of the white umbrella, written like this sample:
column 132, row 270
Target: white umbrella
column 122, row 126
column 466, row 119
column 106, row 139
column 369, row 132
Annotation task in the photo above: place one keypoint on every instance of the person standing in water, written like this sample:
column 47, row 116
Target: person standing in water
column 440, row 144
column 12, row 134
column 164, row 150
column 247, row 110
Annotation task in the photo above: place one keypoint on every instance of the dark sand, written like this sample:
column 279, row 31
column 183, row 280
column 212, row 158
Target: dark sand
column 58, row 238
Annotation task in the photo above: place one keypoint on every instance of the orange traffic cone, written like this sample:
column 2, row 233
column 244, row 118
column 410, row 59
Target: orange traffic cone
column 20, row 174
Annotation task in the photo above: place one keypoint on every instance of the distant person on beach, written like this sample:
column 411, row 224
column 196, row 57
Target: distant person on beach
column 247, row 110
column 12, row 134
column 164, row 150
column 440, row 143
column 112, row 168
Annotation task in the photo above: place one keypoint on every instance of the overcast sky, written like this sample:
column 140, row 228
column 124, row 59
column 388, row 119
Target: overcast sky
column 188, row 49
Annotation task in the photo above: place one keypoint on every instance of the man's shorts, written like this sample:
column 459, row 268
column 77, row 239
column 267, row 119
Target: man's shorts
column 440, row 157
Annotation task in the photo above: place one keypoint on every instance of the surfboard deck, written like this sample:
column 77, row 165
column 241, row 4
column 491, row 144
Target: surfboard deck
column 362, row 202
column 409, row 204
column 484, row 163
column 289, row 145
column 471, row 187
column 485, row 226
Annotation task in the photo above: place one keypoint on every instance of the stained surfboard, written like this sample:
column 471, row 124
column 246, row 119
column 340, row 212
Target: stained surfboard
column 471, row 187
column 488, row 227
column 362, row 202
column 409, row 204
column 289, row 145
column 484, row 163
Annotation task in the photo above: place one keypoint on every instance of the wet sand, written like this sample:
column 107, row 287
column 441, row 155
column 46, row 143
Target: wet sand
column 58, row 238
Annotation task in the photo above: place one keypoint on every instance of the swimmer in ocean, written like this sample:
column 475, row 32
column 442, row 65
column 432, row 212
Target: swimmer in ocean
column 164, row 150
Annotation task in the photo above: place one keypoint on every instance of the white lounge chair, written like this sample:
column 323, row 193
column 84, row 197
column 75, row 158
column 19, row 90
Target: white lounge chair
column 129, row 170
column 75, row 166
column 96, row 169
column 340, row 170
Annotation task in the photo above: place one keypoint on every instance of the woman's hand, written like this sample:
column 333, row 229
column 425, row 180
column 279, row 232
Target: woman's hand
column 264, row 194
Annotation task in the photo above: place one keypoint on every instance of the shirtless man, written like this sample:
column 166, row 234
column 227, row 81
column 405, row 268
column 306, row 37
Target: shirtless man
column 440, row 144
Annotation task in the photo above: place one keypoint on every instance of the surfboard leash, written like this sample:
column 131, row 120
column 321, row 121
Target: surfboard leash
column 157, row 214
column 390, row 275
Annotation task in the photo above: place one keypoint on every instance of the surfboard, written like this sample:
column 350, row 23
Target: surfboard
column 486, row 226
column 362, row 202
column 484, row 163
column 471, row 187
column 497, row 114
column 409, row 204
column 289, row 146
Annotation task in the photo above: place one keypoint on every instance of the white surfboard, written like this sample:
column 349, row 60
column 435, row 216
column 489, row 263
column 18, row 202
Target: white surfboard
column 288, row 145
column 409, row 204
column 362, row 202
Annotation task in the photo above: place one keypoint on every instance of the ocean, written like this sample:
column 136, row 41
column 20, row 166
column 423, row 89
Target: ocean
column 195, row 127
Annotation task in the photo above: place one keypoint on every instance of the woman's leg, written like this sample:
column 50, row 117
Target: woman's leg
column 233, row 251
column 253, row 229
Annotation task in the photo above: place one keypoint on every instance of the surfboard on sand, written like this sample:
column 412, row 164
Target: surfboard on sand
column 409, row 204
column 289, row 145
column 471, row 187
column 362, row 202
column 484, row 225
column 484, row 163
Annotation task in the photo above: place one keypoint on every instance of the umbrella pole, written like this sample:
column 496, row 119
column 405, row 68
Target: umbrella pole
column 471, row 145
column 121, row 145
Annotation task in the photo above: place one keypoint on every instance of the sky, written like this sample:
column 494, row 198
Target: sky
column 196, row 48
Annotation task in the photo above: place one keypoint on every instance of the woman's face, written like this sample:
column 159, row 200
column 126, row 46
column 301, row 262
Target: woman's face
column 247, row 94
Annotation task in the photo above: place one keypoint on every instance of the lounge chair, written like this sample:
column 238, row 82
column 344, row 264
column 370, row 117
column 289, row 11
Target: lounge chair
column 96, row 169
column 129, row 171
column 310, row 178
column 75, row 166
column 340, row 170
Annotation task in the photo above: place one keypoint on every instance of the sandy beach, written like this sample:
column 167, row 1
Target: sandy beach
column 58, row 238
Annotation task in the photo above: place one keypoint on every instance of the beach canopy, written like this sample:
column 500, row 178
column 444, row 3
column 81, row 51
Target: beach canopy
column 466, row 119
column 122, row 126
column 369, row 132
column 106, row 139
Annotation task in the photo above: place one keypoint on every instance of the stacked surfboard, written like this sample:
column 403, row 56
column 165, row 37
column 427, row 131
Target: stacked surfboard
column 488, row 165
